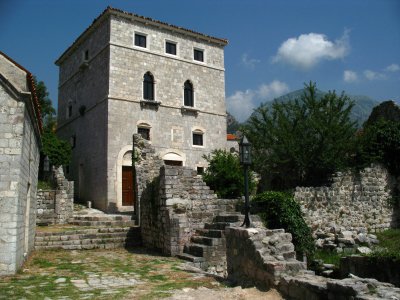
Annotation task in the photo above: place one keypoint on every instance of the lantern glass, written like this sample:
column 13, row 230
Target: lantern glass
column 245, row 151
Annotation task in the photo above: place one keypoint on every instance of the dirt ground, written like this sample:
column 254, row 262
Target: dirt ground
column 236, row 293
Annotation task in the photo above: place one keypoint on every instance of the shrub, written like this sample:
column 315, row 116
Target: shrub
column 280, row 210
column 225, row 175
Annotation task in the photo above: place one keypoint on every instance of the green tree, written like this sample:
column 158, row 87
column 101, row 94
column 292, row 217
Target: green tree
column 57, row 150
column 46, row 107
column 224, row 174
column 301, row 142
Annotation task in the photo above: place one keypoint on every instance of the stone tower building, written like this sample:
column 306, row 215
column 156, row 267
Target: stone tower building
column 20, row 129
column 128, row 74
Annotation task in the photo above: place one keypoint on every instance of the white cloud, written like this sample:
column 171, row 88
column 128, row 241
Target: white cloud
column 392, row 68
column 275, row 89
column 249, row 62
column 308, row 50
column 350, row 76
column 372, row 75
column 242, row 103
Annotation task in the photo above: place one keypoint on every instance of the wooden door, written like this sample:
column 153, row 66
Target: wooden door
column 127, row 187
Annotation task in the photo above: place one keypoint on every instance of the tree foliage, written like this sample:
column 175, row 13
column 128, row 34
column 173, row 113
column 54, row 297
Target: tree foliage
column 301, row 142
column 224, row 174
column 280, row 210
column 46, row 107
column 57, row 150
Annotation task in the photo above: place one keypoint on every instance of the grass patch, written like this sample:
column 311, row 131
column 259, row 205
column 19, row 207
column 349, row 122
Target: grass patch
column 389, row 245
column 328, row 257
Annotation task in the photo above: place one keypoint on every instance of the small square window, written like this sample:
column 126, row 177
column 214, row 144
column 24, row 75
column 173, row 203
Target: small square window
column 170, row 48
column 197, row 139
column 200, row 170
column 140, row 40
column 73, row 141
column 198, row 55
column 144, row 132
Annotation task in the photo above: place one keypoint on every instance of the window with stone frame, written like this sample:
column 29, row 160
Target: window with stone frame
column 148, row 86
column 170, row 48
column 144, row 132
column 198, row 54
column 140, row 40
column 198, row 138
column 188, row 94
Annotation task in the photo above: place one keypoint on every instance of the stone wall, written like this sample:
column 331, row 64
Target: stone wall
column 259, row 256
column 56, row 206
column 19, row 162
column 352, row 206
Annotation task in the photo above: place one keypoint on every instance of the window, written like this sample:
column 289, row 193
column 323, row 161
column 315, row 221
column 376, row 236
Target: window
column 170, row 48
column 148, row 86
column 69, row 113
column 72, row 141
column 86, row 55
column 197, row 138
column 144, row 132
column 200, row 170
column 198, row 55
column 188, row 94
column 140, row 40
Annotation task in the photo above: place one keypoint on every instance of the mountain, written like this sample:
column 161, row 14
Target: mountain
column 363, row 105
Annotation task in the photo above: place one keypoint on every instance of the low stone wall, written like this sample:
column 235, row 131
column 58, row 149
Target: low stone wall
column 56, row 206
column 258, row 256
column 382, row 269
column 342, row 215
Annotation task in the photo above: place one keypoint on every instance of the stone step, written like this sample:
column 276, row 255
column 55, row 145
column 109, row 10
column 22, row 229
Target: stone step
column 212, row 233
column 208, row 241
column 217, row 225
column 191, row 258
column 231, row 218
column 196, row 249
column 129, row 223
column 102, row 218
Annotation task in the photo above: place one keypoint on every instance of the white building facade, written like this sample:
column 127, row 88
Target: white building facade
column 129, row 74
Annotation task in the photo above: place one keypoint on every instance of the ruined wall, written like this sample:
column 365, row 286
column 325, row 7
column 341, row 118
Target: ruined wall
column 352, row 201
column 56, row 206
column 259, row 256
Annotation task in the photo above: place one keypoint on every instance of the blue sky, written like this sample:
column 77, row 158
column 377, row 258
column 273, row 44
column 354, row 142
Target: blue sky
column 274, row 46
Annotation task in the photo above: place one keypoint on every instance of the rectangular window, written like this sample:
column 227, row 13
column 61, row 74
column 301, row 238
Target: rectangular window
column 69, row 111
column 144, row 132
column 73, row 141
column 200, row 170
column 86, row 55
column 198, row 55
column 197, row 139
column 140, row 40
column 170, row 48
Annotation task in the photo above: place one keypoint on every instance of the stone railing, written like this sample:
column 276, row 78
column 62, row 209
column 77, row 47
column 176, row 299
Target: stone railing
column 56, row 206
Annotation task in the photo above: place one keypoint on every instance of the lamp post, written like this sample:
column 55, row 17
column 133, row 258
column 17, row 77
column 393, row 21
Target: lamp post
column 245, row 160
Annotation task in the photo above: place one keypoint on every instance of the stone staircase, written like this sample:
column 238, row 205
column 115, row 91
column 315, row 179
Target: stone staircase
column 90, row 229
column 207, row 248
column 102, row 220
column 90, row 238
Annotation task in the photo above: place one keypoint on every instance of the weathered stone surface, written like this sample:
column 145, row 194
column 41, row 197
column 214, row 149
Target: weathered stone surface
column 340, row 215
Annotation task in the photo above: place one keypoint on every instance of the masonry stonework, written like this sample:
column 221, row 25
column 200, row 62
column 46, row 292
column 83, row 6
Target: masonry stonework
column 356, row 204
column 19, row 162
column 101, row 102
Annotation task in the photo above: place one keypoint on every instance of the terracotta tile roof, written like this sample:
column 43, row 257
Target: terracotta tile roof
column 32, row 89
column 114, row 11
column 231, row 137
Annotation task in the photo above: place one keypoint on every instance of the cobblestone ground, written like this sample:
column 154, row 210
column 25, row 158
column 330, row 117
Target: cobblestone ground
column 115, row 274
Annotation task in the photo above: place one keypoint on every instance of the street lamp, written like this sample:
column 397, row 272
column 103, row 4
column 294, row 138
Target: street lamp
column 245, row 160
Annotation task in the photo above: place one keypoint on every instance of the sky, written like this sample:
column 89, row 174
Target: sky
column 274, row 46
